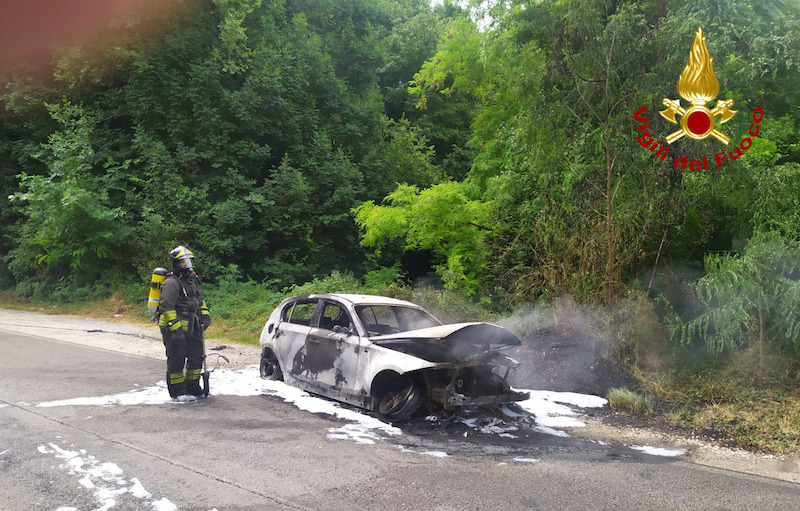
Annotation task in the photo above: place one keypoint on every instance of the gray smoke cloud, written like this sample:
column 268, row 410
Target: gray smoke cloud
column 565, row 348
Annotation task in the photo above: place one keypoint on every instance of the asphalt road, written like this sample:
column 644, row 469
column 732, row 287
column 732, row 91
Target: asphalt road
column 260, row 453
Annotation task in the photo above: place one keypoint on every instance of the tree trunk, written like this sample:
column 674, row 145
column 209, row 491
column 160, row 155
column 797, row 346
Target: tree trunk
column 761, row 341
column 610, row 277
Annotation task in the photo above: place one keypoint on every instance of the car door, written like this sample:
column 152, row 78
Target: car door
column 292, row 333
column 333, row 347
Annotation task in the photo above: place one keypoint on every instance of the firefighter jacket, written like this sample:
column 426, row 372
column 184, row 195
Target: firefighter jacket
column 181, row 302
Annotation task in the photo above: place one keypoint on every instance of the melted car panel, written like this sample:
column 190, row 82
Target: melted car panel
column 457, row 342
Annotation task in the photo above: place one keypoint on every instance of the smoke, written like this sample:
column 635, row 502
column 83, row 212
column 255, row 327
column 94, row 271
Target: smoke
column 562, row 316
column 565, row 348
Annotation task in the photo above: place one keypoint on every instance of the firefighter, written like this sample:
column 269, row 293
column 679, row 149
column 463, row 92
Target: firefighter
column 183, row 315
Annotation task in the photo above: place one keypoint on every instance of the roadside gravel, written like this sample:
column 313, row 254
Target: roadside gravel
column 119, row 335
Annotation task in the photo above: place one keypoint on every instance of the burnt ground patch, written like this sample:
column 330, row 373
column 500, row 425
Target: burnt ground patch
column 501, row 431
column 559, row 361
column 570, row 361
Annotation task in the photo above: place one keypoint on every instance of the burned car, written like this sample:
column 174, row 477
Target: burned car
column 386, row 355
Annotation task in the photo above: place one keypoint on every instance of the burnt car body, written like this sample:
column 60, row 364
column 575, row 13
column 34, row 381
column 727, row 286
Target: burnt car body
column 386, row 355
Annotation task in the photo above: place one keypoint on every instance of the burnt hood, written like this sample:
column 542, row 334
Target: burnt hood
column 460, row 341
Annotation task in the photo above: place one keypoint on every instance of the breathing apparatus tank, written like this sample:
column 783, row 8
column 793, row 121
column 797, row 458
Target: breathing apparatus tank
column 159, row 274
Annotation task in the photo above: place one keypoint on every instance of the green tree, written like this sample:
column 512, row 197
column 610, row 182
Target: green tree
column 245, row 129
column 445, row 121
column 558, row 84
column 69, row 224
column 582, row 207
column 443, row 219
column 748, row 299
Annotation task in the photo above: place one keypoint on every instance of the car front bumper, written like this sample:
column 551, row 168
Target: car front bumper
column 455, row 399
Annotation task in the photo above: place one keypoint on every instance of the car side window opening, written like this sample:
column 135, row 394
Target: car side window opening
column 301, row 312
column 334, row 317
column 287, row 312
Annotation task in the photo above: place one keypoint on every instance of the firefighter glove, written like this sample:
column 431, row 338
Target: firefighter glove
column 205, row 316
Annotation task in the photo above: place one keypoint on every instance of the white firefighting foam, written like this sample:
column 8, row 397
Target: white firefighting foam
column 106, row 480
column 549, row 408
column 553, row 411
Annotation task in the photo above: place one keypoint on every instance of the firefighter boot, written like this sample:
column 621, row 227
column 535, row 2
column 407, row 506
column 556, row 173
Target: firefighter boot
column 193, row 383
column 176, row 384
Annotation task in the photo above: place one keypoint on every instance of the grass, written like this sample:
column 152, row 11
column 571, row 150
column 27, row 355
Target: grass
column 749, row 398
column 722, row 407
column 729, row 403
column 751, row 416
column 628, row 400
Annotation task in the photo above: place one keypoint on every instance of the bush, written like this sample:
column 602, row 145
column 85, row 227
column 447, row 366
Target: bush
column 336, row 282
column 637, row 338
column 450, row 306
column 244, row 302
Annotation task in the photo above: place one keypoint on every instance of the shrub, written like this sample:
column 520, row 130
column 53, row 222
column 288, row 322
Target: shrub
column 336, row 282
column 450, row 306
column 637, row 337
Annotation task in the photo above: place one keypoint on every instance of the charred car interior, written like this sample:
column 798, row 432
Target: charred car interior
column 386, row 355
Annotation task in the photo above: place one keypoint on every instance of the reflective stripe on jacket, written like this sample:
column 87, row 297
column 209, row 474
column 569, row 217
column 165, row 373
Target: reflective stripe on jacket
column 180, row 297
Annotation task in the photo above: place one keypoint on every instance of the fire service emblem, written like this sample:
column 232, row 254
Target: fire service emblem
column 698, row 85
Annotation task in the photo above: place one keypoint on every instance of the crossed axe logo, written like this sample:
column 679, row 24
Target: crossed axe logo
column 698, row 84
column 698, row 122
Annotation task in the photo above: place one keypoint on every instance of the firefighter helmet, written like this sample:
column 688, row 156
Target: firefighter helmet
column 181, row 259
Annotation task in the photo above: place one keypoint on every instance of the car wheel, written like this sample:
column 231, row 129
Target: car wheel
column 399, row 402
column 270, row 369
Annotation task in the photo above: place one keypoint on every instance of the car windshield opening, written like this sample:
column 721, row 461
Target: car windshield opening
column 391, row 319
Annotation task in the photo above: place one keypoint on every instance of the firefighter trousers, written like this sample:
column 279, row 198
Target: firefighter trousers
column 184, row 359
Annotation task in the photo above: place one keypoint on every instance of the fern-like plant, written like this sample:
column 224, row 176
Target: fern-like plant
column 750, row 297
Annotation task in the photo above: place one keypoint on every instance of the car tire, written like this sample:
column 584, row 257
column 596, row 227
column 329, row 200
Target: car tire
column 399, row 402
column 270, row 369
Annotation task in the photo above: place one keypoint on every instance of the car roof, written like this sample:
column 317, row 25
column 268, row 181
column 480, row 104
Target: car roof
column 357, row 299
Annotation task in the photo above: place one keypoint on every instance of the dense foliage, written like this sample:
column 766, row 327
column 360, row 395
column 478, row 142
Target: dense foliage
column 244, row 129
column 282, row 140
